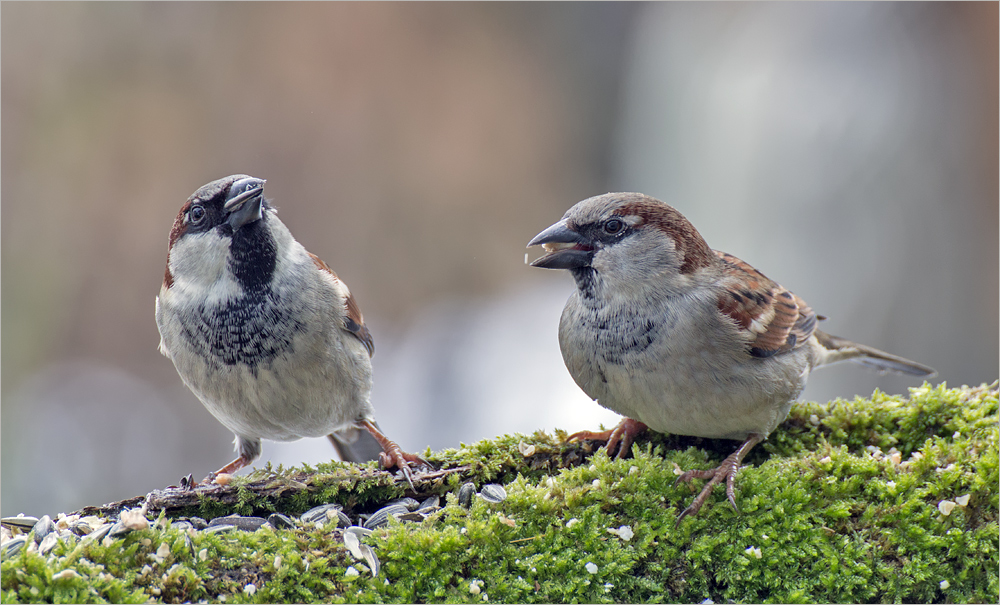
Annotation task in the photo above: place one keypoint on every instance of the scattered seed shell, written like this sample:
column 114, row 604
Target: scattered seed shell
column 65, row 574
column 48, row 543
column 359, row 531
column 219, row 529
column 373, row 562
column 353, row 544
column 134, row 519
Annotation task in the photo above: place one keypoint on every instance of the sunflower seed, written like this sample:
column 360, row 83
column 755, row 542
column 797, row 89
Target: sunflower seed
column 465, row 494
column 98, row 534
column 241, row 523
column 493, row 493
column 381, row 516
column 119, row 530
column 43, row 528
column 280, row 521
column 13, row 546
column 320, row 514
column 219, row 529
column 433, row 502
column 182, row 525
column 409, row 503
column 21, row 522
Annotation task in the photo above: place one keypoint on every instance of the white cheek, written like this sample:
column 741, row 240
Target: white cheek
column 198, row 264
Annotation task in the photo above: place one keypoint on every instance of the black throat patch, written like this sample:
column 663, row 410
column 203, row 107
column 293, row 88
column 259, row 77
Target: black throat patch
column 253, row 256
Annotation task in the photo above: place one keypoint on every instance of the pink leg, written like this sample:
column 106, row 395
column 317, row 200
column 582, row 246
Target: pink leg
column 726, row 470
column 625, row 433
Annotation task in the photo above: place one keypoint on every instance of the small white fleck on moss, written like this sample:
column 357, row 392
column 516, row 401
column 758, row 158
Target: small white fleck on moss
column 945, row 585
column 250, row 589
column 590, row 567
column 596, row 483
column 633, row 469
column 963, row 500
column 624, row 532
column 162, row 552
column 946, row 506
column 572, row 522
column 278, row 561
column 351, row 572
column 65, row 574
column 754, row 552
column 203, row 554
column 474, row 587
column 814, row 419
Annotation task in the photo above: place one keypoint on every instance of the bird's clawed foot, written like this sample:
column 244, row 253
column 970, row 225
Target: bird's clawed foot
column 726, row 470
column 222, row 476
column 620, row 437
column 392, row 455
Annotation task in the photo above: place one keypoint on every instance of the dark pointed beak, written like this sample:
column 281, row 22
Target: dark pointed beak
column 566, row 248
column 244, row 203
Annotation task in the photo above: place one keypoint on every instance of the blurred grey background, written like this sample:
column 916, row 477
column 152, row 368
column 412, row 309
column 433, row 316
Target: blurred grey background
column 849, row 151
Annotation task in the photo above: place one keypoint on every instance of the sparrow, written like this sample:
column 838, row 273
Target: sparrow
column 262, row 331
column 680, row 338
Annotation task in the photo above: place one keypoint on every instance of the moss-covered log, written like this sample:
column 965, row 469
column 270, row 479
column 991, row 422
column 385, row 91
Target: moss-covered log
column 886, row 499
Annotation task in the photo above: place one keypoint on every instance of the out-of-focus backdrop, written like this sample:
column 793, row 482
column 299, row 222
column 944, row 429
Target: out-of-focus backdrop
column 849, row 151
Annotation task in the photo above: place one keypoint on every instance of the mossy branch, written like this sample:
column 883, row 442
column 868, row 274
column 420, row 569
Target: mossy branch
column 845, row 502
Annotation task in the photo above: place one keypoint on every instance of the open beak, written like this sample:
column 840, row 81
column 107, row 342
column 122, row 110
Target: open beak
column 244, row 203
column 566, row 249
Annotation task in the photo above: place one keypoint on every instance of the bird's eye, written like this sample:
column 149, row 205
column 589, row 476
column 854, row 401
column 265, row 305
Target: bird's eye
column 613, row 226
column 196, row 214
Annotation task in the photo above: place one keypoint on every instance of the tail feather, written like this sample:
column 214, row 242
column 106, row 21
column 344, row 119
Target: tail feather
column 355, row 445
column 840, row 349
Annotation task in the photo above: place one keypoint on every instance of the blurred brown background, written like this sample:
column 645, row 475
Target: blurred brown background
column 849, row 151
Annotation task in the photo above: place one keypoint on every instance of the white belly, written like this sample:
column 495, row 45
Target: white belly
column 676, row 376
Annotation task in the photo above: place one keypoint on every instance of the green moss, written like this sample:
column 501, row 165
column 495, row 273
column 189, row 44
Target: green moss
column 828, row 514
